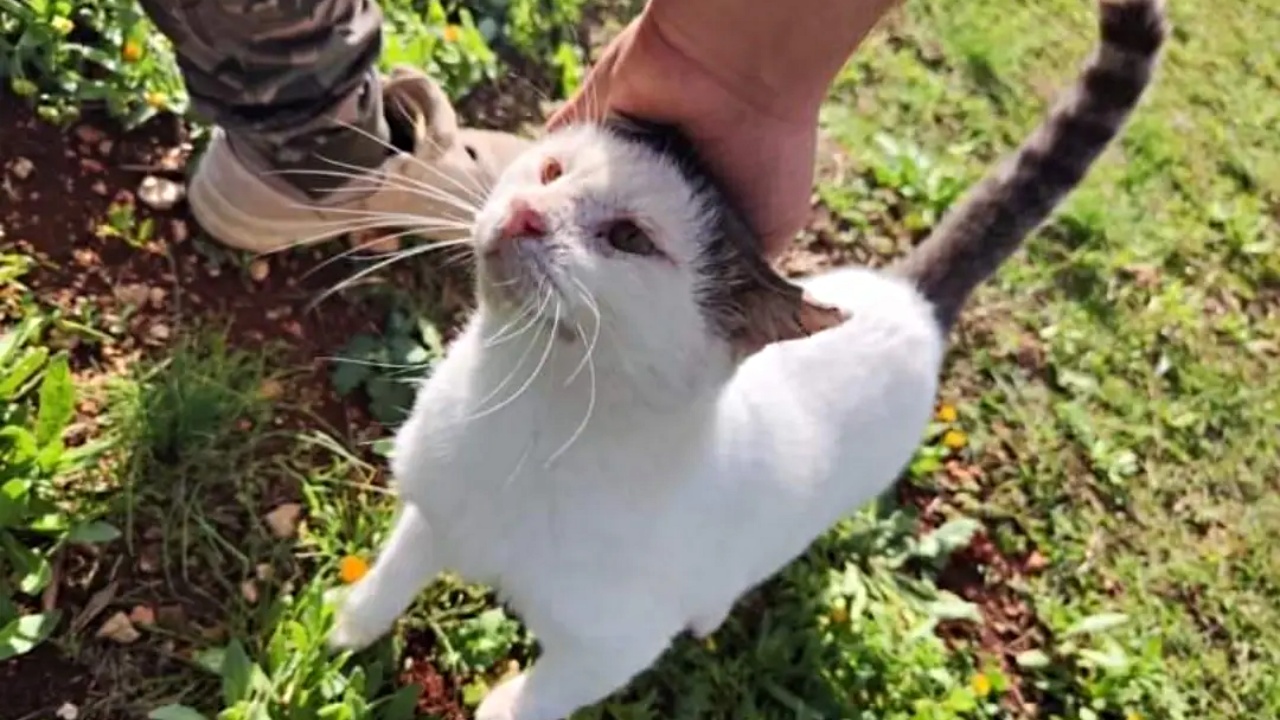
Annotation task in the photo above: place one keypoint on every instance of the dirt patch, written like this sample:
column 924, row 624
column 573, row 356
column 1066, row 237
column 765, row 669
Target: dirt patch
column 440, row 698
column 140, row 279
column 982, row 574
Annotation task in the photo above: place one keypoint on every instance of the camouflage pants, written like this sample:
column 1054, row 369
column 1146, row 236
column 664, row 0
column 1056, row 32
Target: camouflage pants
column 283, row 78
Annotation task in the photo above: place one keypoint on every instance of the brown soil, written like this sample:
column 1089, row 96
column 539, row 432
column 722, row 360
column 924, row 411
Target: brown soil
column 56, row 191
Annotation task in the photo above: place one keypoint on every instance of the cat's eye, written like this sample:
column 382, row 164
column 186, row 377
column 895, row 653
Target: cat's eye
column 627, row 237
column 551, row 170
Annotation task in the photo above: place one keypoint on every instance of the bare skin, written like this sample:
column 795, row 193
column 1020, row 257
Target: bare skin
column 745, row 81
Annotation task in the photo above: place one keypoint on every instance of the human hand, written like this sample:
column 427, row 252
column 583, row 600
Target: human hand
column 759, row 144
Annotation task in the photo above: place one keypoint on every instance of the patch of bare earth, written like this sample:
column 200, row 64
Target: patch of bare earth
column 145, row 291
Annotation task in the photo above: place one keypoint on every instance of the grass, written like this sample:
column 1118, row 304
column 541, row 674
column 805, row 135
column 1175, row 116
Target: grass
column 1108, row 410
column 1138, row 449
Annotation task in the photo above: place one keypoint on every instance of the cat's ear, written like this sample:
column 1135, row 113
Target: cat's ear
column 752, row 304
column 772, row 309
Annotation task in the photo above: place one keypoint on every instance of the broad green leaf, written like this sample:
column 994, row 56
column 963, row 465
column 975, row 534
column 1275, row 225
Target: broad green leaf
column 22, row 371
column 57, row 401
column 21, row 636
column 402, row 704
column 1096, row 624
column 38, row 574
column 93, row 533
column 1032, row 659
column 175, row 712
column 237, row 670
column 952, row 536
column 13, row 502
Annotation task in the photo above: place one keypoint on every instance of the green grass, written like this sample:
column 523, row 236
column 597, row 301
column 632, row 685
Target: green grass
column 1140, row 454
column 1112, row 388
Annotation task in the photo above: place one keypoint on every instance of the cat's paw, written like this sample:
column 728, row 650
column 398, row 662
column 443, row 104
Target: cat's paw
column 349, row 631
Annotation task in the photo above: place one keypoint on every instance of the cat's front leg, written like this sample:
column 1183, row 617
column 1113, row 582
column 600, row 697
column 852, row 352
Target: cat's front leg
column 407, row 562
column 571, row 675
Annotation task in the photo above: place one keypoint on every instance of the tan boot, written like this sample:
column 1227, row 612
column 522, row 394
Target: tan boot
column 434, row 190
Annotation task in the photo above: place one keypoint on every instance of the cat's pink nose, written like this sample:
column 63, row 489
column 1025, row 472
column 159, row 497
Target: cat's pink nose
column 522, row 221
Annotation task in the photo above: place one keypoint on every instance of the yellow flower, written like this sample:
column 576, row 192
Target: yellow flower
column 157, row 100
column 946, row 413
column 1133, row 715
column 352, row 568
column 955, row 439
column 62, row 26
column 839, row 615
column 131, row 52
column 981, row 685
column 451, row 33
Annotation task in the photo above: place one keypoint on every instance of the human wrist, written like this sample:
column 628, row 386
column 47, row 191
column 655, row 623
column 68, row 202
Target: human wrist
column 779, row 58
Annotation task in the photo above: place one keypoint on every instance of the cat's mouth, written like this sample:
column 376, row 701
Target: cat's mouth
column 521, row 271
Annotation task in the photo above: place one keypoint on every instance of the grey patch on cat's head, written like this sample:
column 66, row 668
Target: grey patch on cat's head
column 744, row 300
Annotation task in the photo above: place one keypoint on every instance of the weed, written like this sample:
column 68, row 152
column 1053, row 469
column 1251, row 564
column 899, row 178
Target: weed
column 33, row 524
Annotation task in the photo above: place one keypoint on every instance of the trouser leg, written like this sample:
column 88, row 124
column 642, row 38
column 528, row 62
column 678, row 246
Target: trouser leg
column 284, row 79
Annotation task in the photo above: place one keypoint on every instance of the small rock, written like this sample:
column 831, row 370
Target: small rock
column 259, row 269
column 271, row 389
column 90, row 135
column 22, row 168
column 157, row 297
column 160, row 193
column 118, row 628
column 142, row 615
column 67, row 711
column 249, row 591
column 99, row 188
column 132, row 294
column 105, row 147
column 171, row 616
column 283, row 521
column 149, row 560
column 160, row 331
column 264, row 571
column 1036, row 562
column 91, row 165
column 178, row 231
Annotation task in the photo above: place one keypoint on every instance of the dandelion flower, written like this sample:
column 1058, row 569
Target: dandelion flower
column 451, row 33
column 352, row 568
column 955, row 439
column 946, row 413
column 981, row 685
column 131, row 52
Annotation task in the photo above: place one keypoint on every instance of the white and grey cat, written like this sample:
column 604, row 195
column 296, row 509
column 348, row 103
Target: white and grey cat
column 642, row 421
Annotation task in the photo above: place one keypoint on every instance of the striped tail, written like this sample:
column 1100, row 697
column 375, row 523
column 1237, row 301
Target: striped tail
column 990, row 223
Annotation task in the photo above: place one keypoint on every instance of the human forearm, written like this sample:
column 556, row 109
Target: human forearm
column 779, row 56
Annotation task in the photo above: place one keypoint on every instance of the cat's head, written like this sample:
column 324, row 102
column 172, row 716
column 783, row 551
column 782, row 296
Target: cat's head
column 620, row 220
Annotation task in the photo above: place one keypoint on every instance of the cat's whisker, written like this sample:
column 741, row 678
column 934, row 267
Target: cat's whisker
column 551, row 342
column 591, row 304
column 364, row 184
column 498, row 339
column 478, row 194
column 588, row 358
column 527, row 307
column 533, row 342
column 380, row 239
column 397, row 257
column 478, row 197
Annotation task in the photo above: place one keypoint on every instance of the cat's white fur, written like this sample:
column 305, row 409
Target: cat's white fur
column 692, row 479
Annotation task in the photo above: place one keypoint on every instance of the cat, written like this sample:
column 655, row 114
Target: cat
column 642, row 420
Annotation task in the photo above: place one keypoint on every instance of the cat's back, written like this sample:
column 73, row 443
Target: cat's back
column 818, row 426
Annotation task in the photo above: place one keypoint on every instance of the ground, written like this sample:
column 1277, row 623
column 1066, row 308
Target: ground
column 1086, row 532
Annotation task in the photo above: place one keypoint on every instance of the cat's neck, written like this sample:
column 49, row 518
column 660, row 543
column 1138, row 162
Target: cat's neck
column 574, row 364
